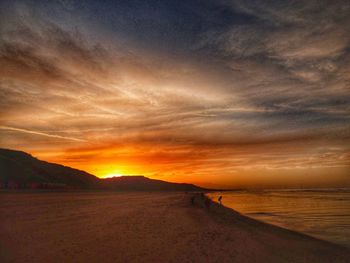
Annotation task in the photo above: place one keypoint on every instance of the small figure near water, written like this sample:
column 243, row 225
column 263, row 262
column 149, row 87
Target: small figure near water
column 192, row 200
column 207, row 203
column 219, row 199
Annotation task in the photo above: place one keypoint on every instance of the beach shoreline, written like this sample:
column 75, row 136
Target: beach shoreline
column 145, row 227
column 217, row 208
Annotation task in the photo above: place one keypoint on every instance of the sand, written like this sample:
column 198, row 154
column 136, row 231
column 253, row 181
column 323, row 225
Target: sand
column 144, row 227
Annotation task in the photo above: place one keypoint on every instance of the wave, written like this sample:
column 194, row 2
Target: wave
column 261, row 214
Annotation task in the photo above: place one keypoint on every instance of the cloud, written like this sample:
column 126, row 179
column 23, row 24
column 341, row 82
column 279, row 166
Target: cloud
column 40, row 133
column 224, row 85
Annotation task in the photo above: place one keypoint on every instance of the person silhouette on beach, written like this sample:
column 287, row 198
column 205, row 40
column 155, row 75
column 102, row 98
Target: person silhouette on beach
column 219, row 199
column 207, row 203
column 192, row 200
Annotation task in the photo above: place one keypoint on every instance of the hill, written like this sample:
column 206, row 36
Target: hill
column 22, row 170
column 141, row 183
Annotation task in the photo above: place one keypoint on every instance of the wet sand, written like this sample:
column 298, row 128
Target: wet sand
column 144, row 227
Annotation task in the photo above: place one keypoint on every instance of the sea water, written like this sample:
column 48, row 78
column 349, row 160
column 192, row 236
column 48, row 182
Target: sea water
column 322, row 213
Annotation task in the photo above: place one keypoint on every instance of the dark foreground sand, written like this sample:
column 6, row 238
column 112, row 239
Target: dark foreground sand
column 143, row 227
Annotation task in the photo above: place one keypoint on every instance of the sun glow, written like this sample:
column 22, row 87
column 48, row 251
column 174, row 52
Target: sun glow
column 112, row 175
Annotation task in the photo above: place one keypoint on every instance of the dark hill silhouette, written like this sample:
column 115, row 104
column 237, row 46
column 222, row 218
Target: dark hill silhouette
column 142, row 183
column 21, row 170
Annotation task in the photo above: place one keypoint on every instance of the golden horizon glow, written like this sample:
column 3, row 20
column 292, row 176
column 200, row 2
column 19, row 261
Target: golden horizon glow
column 111, row 175
column 236, row 96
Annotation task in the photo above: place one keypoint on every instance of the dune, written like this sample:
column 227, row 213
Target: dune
column 144, row 227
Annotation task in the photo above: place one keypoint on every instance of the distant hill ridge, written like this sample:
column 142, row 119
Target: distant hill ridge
column 142, row 183
column 21, row 170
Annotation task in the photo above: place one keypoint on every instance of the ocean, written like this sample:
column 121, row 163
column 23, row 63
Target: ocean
column 322, row 213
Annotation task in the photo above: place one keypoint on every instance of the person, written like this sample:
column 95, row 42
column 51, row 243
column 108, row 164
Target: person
column 219, row 199
column 207, row 203
column 192, row 199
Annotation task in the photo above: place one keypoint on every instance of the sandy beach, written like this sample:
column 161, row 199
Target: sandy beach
column 144, row 227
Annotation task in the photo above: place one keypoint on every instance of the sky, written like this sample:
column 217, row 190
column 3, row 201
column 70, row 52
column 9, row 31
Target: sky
column 238, row 93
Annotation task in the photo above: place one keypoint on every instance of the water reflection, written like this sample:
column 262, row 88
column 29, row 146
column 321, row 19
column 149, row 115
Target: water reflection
column 321, row 213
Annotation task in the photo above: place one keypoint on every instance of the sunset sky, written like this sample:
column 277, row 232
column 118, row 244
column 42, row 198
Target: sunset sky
column 218, row 93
